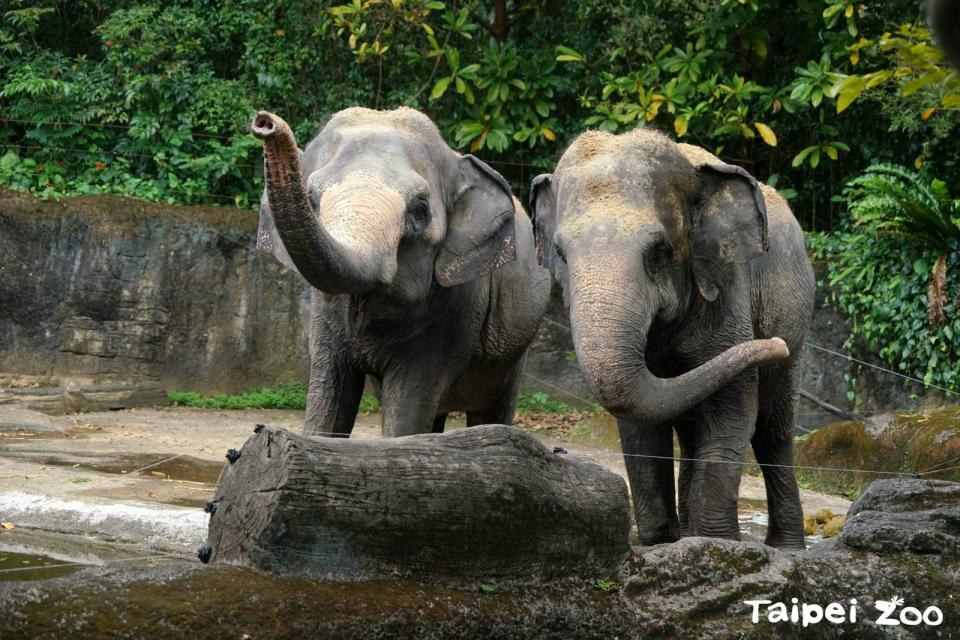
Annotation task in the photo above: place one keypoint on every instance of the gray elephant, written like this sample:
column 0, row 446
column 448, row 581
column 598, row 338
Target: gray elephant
column 422, row 264
column 690, row 293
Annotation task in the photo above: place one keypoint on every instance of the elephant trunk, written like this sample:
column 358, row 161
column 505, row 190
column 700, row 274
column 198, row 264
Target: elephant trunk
column 610, row 329
column 352, row 247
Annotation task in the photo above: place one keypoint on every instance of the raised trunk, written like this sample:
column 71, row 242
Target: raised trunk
column 328, row 261
column 611, row 341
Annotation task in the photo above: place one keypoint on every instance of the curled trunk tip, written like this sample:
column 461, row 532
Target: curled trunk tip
column 266, row 125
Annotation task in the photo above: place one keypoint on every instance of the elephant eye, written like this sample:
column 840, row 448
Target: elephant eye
column 560, row 253
column 418, row 215
column 659, row 258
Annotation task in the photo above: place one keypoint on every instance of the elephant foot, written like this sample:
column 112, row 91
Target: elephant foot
column 658, row 536
column 781, row 541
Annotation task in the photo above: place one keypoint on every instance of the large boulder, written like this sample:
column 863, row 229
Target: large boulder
column 897, row 516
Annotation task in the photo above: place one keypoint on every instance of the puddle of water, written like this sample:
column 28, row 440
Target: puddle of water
column 15, row 567
column 199, row 501
column 186, row 468
column 15, row 432
column 753, row 528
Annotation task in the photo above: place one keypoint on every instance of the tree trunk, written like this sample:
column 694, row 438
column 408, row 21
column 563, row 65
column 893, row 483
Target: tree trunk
column 484, row 502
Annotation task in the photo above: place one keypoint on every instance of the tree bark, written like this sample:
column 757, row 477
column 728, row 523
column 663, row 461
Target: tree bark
column 485, row 502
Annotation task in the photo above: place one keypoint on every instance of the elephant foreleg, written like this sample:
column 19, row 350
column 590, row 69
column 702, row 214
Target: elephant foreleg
column 651, row 480
column 773, row 445
column 410, row 398
column 725, row 423
column 333, row 398
column 336, row 385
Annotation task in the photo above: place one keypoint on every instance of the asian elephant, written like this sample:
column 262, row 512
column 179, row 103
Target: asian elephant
column 690, row 292
column 422, row 265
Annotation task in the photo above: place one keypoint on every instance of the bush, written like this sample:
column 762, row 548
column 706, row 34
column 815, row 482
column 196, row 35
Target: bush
column 880, row 281
column 289, row 395
column 154, row 99
column 540, row 402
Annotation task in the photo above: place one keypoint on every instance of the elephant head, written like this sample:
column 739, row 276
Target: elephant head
column 377, row 201
column 634, row 227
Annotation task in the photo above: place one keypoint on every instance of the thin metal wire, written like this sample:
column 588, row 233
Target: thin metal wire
column 885, row 370
column 751, row 464
column 157, row 464
column 559, row 389
column 839, row 355
column 608, row 452
column 940, row 464
column 930, row 473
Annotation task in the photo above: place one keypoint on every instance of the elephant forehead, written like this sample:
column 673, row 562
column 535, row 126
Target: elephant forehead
column 409, row 120
column 335, row 180
column 606, row 218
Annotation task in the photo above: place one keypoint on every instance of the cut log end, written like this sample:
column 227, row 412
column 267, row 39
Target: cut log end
column 488, row 501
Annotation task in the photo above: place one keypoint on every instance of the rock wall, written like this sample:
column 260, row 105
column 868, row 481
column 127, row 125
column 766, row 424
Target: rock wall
column 109, row 289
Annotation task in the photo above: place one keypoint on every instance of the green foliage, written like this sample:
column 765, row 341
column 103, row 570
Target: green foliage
column 369, row 404
column 880, row 281
column 540, row 402
column 154, row 99
column 916, row 65
column 604, row 585
column 893, row 199
column 289, row 395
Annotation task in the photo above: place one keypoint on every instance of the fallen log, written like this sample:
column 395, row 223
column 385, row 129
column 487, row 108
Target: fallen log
column 485, row 502
column 73, row 398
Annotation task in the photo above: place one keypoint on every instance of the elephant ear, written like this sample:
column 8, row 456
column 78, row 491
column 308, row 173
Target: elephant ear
column 543, row 210
column 729, row 225
column 268, row 239
column 480, row 226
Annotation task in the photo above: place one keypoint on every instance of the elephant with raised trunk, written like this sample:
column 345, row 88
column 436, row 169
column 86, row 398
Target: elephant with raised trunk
column 690, row 293
column 422, row 264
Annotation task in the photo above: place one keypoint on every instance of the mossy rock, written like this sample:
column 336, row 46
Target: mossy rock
column 922, row 442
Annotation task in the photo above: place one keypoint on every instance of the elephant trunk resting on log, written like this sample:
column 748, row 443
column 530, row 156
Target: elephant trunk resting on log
column 490, row 501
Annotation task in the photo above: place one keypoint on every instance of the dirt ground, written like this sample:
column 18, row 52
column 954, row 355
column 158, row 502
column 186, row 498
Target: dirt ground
column 174, row 455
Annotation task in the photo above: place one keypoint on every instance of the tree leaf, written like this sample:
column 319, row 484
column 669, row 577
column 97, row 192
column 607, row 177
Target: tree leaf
column 766, row 133
column 937, row 292
column 440, row 88
column 680, row 126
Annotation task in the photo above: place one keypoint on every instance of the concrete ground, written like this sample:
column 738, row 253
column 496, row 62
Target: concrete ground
column 142, row 476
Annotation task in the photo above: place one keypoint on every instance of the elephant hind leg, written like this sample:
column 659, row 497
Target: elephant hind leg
column 503, row 404
column 651, row 480
column 773, row 445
